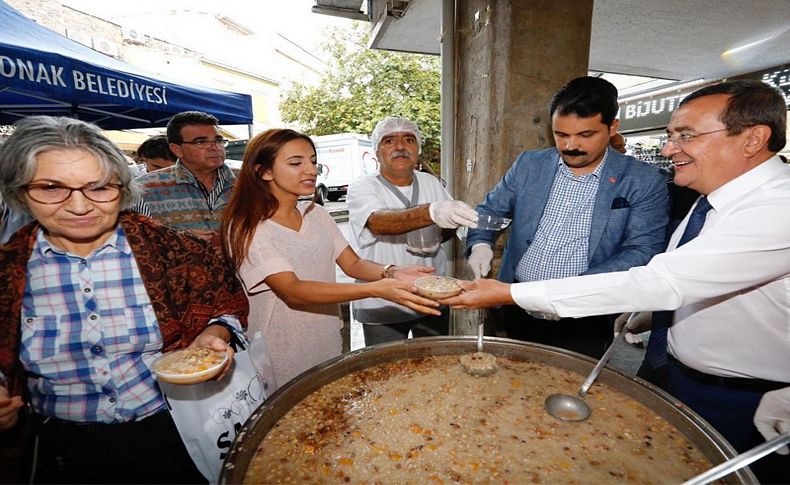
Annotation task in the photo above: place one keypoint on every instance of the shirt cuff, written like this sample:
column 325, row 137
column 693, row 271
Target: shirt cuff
column 532, row 297
column 232, row 324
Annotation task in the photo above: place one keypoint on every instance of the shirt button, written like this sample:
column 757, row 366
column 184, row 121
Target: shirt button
column 29, row 320
column 93, row 317
column 112, row 399
column 96, row 349
column 87, row 290
column 83, row 261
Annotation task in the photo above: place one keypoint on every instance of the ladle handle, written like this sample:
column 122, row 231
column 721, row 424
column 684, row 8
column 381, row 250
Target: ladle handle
column 479, row 317
column 741, row 460
column 597, row 369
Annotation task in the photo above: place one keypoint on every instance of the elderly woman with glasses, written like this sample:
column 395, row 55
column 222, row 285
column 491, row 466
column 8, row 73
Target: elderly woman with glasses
column 90, row 296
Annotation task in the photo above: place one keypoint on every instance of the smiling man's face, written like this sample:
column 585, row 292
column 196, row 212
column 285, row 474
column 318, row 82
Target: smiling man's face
column 710, row 158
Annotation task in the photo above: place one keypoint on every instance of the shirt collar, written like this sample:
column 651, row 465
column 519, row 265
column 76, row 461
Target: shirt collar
column 117, row 241
column 746, row 182
column 184, row 176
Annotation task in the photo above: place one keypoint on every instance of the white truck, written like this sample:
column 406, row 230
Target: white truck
column 342, row 158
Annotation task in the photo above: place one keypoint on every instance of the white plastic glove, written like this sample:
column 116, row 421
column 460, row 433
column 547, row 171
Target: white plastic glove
column 449, row 214
column 773, row 415
column 480, row 259
column 641, row 322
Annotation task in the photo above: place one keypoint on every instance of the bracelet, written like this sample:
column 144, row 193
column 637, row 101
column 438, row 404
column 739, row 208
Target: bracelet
column 385, row 270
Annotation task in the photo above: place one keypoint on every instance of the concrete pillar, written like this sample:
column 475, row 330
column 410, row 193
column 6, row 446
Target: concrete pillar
column 511, row 57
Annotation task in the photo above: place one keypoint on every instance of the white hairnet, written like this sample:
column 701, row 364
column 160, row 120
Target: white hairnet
column 395, row 124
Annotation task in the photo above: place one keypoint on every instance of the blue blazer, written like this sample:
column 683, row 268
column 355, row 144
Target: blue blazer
column 629, row 218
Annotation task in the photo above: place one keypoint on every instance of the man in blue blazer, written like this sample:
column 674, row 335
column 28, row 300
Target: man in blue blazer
column 579, row 208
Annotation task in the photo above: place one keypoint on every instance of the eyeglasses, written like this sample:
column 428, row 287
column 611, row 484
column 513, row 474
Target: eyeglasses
column 55, row 194
column 203, row 143
column 684, row 139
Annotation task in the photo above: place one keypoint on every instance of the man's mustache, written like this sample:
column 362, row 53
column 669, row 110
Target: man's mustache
column 400, row 154
column 574, row 153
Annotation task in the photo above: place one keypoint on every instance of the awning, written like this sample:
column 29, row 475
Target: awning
column 45, row 73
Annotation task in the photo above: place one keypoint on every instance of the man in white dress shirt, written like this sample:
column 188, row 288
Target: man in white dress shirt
column 729, row 287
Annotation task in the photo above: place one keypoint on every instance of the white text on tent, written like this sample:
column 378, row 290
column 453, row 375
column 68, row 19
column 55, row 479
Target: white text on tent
column 37, row 72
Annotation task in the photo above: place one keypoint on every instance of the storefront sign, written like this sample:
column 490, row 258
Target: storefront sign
column 652, row 112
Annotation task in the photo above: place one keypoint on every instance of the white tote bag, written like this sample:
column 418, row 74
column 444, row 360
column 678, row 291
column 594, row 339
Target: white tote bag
column 209, row 414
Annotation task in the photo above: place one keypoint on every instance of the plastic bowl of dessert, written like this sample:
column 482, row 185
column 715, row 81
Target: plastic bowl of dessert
column 189, row 366
column 437, row 287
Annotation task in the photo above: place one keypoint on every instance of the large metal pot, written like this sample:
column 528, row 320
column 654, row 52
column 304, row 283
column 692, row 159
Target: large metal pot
column 712, row 445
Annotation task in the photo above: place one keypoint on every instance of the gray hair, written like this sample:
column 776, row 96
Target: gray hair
column 395, row 124
column 38, row 134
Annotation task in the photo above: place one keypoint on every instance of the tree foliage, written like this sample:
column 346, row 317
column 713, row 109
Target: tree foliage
column 362, row 86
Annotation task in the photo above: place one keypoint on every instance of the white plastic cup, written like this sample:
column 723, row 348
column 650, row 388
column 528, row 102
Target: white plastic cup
column 486, row 222
column 492, row 223
column 424, row 241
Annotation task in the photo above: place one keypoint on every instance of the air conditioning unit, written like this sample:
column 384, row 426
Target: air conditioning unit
column 133, row 35
column 105, row 46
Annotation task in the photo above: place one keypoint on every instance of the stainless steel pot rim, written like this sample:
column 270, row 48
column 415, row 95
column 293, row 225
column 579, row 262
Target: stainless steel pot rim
column 702, row 434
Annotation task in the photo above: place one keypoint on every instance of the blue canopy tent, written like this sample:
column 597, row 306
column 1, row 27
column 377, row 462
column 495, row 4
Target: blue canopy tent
column 44, row 73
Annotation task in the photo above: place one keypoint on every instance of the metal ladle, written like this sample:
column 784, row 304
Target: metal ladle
column 573, row 408
column 740, row 461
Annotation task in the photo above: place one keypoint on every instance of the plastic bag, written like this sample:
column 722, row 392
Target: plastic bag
column 209, row 414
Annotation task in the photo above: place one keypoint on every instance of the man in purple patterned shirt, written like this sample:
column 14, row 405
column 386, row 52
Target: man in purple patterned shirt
column 191, row 194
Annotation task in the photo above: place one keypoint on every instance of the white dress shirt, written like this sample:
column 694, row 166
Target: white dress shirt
column 730, row 286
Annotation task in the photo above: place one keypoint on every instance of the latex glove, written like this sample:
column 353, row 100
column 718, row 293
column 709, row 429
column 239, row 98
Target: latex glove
column 641, row 322
column 480, row 259
column 449, row 214
column 773, row 415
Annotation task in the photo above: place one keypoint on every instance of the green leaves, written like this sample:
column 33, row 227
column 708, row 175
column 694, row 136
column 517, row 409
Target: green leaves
column 362, row 86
